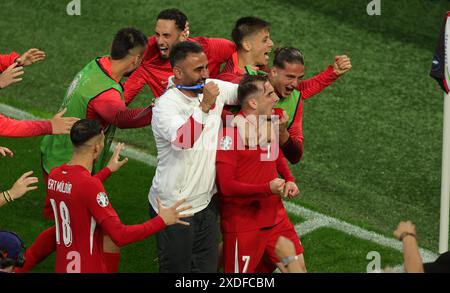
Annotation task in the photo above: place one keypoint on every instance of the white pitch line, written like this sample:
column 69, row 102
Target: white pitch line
column 310, row 225
column 318, row 220
column 17, row 113
column 314, row 221
column 135, row 153
column 129, row 151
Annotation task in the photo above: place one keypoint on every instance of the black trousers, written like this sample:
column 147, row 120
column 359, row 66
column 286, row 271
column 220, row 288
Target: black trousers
column 193, row 248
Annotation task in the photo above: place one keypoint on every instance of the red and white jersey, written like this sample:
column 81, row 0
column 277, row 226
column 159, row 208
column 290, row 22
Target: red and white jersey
column 80, row 204
column 243, row 178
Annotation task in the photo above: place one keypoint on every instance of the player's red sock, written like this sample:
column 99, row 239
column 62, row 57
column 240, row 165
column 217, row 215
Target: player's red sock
column 42, row 247
column 111, row 260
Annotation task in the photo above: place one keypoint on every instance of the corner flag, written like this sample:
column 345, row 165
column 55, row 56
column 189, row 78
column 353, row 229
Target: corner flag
column 440, row 71
column 441, row 60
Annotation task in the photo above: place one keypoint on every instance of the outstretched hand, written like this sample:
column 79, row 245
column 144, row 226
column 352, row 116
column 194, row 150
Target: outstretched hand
column 115, row 163
column 30, row 57
column 6, row 152
column 173, row 214
column 11, row 75
column 62, row 125
column 23, row 185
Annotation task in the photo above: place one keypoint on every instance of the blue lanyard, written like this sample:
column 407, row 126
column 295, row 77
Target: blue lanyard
column 196, row 87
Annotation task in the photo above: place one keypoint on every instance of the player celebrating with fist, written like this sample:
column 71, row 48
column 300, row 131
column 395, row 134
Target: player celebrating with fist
column 248, row 163
column 186, row 121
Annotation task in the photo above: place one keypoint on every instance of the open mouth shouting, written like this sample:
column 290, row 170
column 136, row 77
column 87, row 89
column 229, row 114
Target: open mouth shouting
column 164, row 50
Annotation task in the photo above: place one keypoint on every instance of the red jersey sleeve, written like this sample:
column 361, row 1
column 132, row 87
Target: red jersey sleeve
column 316, row 84
column 134, row 84
column 96, row 200
column 23, row 128
column 138, row 79
column 218, row 51
column 7, row 60
column 190, row 131
column 104, row 214
column 283, row 168
column 103, row 174
column 293, row 149
column 110, row 107
column 230, row 77
column 125, row 234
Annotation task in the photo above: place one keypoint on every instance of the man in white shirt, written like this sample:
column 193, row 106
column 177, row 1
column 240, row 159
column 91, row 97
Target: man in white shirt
column 186, row 122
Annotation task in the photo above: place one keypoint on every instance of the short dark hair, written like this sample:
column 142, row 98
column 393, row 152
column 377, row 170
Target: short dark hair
column 83, row 130
column 248, row 86
column 174, row 14
column 125, row 40
column 247, row 26
column 180, row 51
column 289, row 55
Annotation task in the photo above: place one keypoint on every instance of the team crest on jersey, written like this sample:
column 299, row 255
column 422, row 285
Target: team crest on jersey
column 225, row 143
column 102, row 199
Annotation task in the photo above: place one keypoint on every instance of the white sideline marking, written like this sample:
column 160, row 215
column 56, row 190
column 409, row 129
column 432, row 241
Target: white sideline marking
column 136, row 154
column 310, row 225
column 317, row 220
column 129, row 151
column 16, row 113
column 314, row 220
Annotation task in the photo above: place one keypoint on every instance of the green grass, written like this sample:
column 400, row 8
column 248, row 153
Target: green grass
column 372, row 140
column 341, row 253
column 296, row 219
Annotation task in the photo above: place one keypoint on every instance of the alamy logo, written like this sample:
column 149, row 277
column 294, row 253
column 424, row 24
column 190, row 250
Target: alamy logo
column 74, row 8
column 375, row 262
column 374, row 7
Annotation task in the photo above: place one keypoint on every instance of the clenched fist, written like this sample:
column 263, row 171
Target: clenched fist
column 341, row 65
column 210, row 93
column 277, row 186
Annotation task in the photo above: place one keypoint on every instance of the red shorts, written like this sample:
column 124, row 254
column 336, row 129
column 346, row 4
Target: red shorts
column 254, row 251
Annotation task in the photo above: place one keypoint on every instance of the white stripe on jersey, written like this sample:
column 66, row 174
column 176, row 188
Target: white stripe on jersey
column 236, row 258
column 91, row 234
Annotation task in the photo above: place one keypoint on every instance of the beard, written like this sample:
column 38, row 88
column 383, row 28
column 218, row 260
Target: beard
column 200, row 81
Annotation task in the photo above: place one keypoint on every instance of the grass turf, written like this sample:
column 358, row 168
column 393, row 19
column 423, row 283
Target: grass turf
column 345, row 258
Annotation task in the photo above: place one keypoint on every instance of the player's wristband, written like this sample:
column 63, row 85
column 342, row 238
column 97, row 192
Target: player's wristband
column 4, row 196
column 287, row 260
column 404, row 234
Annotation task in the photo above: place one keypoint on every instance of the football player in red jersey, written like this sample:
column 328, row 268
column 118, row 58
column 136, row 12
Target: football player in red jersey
column 170, row 29
column 252, row 38
column 83, row 213
column 248, row 163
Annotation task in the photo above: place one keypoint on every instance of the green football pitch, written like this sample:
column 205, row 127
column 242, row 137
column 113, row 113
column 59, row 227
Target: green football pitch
column 373, row 139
